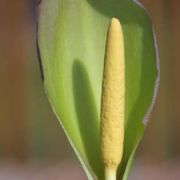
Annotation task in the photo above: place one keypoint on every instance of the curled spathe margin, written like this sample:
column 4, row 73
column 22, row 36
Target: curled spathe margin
column 157, row 82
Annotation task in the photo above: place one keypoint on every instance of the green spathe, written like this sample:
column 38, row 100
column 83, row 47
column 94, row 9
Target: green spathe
column 71, row 38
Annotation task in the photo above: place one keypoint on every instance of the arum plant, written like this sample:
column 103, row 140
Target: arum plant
column 100, row 81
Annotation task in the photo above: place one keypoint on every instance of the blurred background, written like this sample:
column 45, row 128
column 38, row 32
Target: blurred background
column 32, row 144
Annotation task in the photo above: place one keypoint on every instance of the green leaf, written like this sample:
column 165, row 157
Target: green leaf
column 71, row 38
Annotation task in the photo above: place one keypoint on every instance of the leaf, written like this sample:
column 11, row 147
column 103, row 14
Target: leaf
column 71, row 39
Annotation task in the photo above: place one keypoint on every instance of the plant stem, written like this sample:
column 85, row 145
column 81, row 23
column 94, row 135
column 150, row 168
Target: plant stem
column 110, row 174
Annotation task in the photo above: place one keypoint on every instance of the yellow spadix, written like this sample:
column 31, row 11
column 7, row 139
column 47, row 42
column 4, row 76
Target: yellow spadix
column 112, row 102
